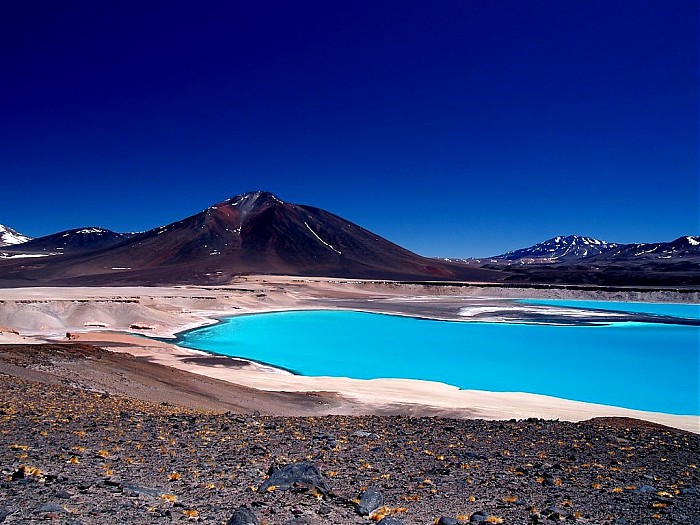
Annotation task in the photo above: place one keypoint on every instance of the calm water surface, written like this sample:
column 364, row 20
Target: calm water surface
column 686, row 311
column 635, row 365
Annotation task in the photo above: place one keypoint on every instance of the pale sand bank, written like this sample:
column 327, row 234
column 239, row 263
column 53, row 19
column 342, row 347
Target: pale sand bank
column 38, row 314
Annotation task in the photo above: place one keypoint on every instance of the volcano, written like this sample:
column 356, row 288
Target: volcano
column 252, row 233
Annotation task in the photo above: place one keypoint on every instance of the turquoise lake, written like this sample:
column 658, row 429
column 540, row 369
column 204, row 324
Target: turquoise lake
column 645, row 366
column 686, row 311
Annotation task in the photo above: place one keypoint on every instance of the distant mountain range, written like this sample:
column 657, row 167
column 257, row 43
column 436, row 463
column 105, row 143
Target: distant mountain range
column 258, row 233
column 560, row 249
column 575, row 248
column 77, row 240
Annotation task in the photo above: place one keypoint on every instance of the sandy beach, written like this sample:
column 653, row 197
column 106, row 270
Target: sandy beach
column 117, row 319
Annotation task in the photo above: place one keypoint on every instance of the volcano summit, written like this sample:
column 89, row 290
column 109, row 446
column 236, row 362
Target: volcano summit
column 250, row 233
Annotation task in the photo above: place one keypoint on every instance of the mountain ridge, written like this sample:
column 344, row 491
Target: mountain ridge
column 10, row 237
column 258, row 233
column 254, row 232
column 575, row 247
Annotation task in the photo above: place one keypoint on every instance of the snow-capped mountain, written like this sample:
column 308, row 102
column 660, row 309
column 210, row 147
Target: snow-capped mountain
column 681, row 248
column 556, row 249
column 78, row 239
column 10, row 237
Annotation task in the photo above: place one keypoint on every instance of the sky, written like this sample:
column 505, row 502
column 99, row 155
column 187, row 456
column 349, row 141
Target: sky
column 454, row 128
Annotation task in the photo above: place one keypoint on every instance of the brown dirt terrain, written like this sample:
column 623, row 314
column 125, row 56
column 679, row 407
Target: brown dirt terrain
column 72, row 454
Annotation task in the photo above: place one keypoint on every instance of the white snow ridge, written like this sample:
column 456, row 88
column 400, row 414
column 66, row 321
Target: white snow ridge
column 10, row 237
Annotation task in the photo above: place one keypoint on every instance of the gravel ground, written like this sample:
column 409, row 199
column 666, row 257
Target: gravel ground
column 69, row 455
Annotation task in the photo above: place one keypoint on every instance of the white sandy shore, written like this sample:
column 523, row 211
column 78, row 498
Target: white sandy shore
column 41, row 314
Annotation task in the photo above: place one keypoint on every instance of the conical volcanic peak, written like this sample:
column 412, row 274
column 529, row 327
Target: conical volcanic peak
column 253, row 232
column 251, row 201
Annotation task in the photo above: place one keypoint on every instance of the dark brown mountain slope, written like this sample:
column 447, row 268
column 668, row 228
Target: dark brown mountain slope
column 250, row 233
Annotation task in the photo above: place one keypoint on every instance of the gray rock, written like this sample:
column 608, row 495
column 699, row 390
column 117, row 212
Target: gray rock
column 51, row 507
column 554, row 513
column 300, row 520
column 390, row 521
column 370, row 500
column 478, row 517
column 243, row 516
column 135, row 490
column 302, row 473
column 644, row 489
column 445, row 520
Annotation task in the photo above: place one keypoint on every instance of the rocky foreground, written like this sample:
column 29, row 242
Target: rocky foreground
column 71, row 455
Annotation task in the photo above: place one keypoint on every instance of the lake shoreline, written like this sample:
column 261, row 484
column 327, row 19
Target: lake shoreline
column 47, row 314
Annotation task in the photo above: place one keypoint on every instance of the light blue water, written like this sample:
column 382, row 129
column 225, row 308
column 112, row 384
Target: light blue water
column 687, row 311
column 636, row 365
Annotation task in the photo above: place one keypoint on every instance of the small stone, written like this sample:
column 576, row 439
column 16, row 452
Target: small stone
column 300, row 520
column 302, row 473
column 478, row 517
column 554, row 513
column 370, row 500
column 644, row 489
column 243, row 516
column 50, row 507
column 445, row 520
column 390, row 521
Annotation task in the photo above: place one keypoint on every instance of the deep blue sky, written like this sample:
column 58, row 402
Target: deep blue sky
column 454, row 128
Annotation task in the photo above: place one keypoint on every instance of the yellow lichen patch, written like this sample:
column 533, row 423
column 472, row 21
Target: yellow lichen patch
column 494, row 519
column 617, row 490
column 510, row 499
column 471, row 499
column 659, row 505
column 271, row 488
column 174, row 476
column 19, row 447
column 462, row 517
column 596, row 486
column 73, row 460
column 170, row 498
column 381, row 513
column 191, row 513
column 412, row 497
column 664, row 494
column 32, row 471
column 102, row 453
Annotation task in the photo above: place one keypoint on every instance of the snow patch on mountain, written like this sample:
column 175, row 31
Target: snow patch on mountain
column 560, row 248
column 10, row 237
